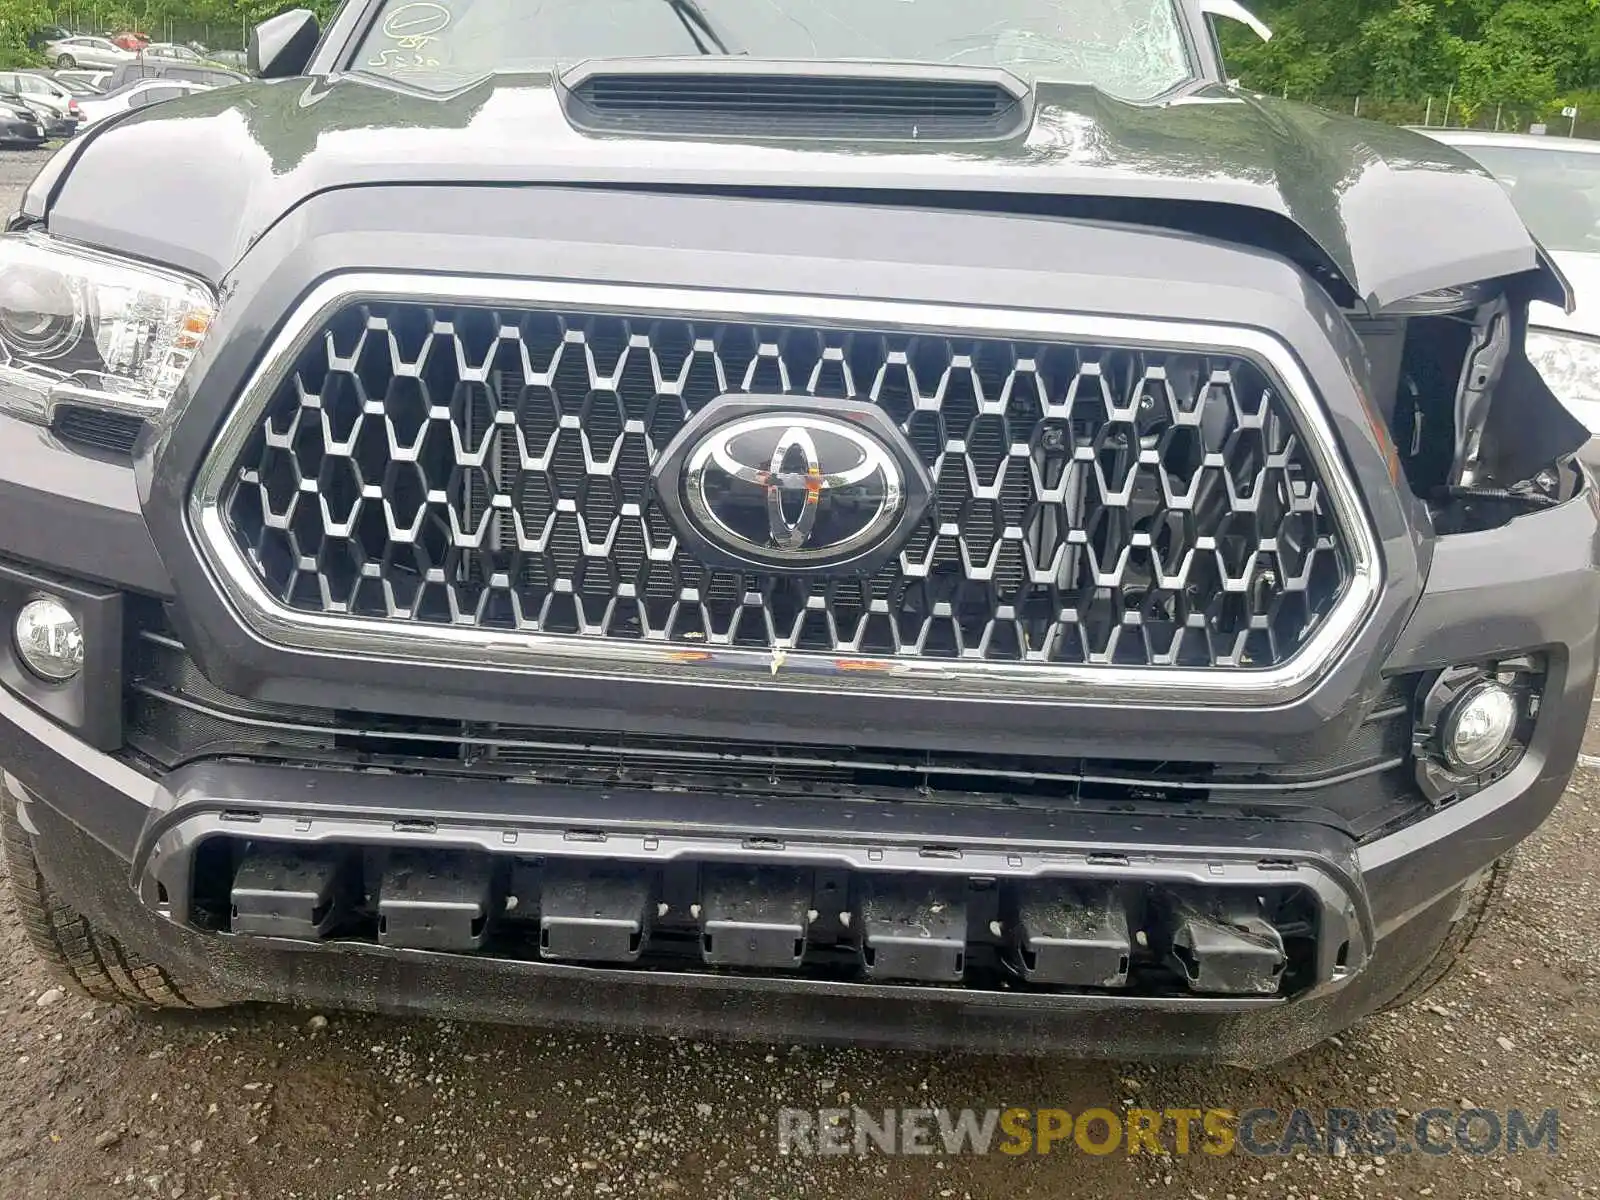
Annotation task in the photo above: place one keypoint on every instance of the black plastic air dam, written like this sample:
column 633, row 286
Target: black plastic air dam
column 311, row 809
column 824, row 924
column 1240, row 1031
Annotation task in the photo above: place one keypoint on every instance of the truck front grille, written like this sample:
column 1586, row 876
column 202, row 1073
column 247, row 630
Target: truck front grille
column 488, row 469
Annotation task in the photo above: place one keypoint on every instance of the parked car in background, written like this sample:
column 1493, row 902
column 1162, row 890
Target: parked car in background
column 155, row 69
column 236, row 59
column 83, row 82
column 1555, row 184
column 20, row 126
column 141, row 93
column 171, row 52
column 129, row 40
column 88, row 52
column 48, row 95
column 56, row 125
column 80, row 83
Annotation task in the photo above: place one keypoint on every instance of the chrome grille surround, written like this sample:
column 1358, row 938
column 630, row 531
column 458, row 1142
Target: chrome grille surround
column 779, row 663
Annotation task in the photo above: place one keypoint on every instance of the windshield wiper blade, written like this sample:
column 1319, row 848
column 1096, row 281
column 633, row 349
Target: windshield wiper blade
column 701, row 28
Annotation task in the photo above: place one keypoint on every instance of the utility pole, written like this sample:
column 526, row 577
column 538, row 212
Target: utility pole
column 1427, row 121
column 1448, row 99
column 1357, row 113
column 1497, row 109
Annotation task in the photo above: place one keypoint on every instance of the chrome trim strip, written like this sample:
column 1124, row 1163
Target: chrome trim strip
column 583, row 656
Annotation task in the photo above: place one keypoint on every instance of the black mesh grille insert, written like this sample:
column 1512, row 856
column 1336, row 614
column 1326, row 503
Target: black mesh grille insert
column 489, row 469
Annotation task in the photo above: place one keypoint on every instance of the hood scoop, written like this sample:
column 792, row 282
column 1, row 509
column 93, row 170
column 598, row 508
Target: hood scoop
column 751, row 98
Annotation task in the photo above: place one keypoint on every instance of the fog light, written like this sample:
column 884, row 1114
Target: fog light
column 1480, row 726
column 49, row 640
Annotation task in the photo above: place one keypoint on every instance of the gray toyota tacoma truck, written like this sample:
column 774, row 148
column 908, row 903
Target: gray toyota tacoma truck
column 822, row 518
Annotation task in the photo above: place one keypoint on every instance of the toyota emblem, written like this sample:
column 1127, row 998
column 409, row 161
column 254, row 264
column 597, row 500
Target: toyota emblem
column 794, row 488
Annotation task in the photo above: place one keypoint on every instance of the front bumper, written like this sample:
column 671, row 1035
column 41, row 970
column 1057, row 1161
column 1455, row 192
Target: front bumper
column 117, row 845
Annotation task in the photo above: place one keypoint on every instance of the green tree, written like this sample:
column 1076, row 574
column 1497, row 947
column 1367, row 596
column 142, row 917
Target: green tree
column 19, row 20
column 1523, row 54
column 1403, row 51
column 260, row 10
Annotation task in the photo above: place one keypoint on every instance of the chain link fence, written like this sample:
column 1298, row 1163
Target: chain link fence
column 92, row 18
column 1446, row 111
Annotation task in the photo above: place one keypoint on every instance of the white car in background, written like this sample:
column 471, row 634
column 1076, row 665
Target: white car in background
column 83, row 82
column 39, row 89
column 88, row 52
column 171, row 52
column 1555, row 184
column 141, row 93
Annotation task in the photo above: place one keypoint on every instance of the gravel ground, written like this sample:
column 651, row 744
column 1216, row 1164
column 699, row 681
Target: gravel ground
column 17, row 167
column 269, row 1103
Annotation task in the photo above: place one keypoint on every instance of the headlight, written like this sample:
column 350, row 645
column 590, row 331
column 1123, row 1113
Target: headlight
column 91, row 329
column 1570, row 364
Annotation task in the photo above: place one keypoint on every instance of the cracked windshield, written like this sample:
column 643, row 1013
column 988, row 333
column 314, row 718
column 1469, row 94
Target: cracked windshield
column 1130, row 48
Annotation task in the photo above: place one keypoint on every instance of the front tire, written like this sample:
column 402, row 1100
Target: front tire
column 88, row 960
column 66, row 62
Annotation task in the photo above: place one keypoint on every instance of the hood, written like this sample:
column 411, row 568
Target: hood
column 1583, row 273
column 1395, row 214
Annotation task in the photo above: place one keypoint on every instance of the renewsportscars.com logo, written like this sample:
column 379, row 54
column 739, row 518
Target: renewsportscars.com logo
column 1262, row 1132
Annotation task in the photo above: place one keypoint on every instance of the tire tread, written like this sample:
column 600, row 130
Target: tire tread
column 92, row 963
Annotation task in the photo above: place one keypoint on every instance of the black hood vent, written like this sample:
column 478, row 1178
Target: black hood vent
column 752, row 99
